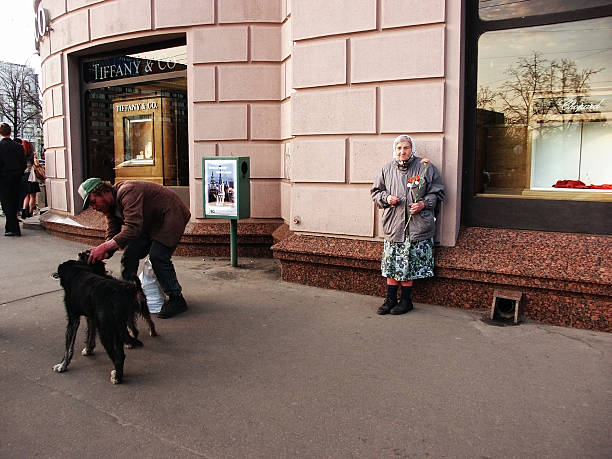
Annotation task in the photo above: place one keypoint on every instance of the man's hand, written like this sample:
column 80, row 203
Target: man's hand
column 102, row 251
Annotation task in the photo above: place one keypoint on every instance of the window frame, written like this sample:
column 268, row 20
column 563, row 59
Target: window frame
column 591, row 217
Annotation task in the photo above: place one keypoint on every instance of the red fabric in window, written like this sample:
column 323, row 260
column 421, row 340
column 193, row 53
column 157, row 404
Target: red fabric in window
column 580, row 185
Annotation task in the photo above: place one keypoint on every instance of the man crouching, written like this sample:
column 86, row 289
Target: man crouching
column 143, row 218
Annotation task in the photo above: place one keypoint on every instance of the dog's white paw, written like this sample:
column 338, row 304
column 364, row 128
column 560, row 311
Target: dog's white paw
column 87, row 352
column 114, row 378
column 60, row 367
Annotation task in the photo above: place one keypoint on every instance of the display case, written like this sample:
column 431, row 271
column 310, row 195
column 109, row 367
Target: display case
column 227, row 187
column 145, row 140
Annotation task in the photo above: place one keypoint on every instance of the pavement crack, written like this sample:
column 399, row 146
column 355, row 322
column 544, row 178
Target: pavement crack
column 32, row 296
column 553, row 331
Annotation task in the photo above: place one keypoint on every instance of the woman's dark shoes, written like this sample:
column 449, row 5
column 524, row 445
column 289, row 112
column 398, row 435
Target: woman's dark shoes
column 386, row 307
column 172, row 306
column 25, row 213
column 402, row 307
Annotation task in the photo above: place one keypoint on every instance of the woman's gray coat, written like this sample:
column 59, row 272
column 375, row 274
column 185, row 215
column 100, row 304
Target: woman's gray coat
column 393, row 181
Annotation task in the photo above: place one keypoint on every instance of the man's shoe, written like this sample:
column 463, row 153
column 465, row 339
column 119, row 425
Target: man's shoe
column 12, row 233
column 386, row 307
column 402, row 308
column 173, row 306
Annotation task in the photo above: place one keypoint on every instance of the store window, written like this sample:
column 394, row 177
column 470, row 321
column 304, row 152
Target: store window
column 538, row 113
column 544, row 109
column 135, row 107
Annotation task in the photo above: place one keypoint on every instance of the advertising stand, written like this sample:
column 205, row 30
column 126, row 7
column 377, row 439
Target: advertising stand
column 227, row 193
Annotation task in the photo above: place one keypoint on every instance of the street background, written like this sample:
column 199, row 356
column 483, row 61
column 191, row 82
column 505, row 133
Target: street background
column 258, row 367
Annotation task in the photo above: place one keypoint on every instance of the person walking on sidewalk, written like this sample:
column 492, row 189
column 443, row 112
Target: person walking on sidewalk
column 12, row 165
column 409, row 190
column 29, row 183
column 143, row 218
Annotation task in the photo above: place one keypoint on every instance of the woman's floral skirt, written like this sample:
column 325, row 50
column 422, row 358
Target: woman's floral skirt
column 404, row 261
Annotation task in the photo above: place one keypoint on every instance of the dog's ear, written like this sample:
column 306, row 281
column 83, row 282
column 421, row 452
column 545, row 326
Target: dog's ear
column 61, row 269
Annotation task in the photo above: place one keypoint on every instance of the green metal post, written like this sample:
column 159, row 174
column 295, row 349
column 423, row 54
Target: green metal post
column 234, row 241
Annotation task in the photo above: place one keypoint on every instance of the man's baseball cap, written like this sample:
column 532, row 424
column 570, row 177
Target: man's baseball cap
column 86, row 187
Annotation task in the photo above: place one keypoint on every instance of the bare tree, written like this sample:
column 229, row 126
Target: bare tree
column 20, row 101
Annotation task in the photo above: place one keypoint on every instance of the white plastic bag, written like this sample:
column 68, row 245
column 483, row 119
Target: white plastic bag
column 151, row 288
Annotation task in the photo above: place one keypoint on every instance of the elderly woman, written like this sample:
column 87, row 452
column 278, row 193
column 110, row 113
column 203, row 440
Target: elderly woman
column 409, row 190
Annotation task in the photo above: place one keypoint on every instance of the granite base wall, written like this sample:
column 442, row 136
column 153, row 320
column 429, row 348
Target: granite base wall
column 202, row 238
column 558, row 287
column 566, row 279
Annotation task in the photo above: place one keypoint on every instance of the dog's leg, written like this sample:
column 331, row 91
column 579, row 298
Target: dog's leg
column 117, row 373
column 147, row 318
column 90, row 341
column 128, row 336
column 118, row 359
column 113, row 343
column 132, row 337
column 71, row 332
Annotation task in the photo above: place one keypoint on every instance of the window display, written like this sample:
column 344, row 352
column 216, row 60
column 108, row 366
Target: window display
column 138, row 140
column 145, row 144
column 544, row 111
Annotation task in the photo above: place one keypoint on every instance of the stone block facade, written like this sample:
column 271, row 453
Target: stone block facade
column 314, row 92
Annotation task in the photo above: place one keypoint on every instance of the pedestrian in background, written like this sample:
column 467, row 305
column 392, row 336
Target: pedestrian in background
column 12, row 165
column 29, row 183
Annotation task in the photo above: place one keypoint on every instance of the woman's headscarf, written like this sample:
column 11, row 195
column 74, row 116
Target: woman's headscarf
column 403, row 138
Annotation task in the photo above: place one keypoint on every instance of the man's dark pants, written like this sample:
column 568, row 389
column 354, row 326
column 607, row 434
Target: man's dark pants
column 10, row 188
column 160, row 256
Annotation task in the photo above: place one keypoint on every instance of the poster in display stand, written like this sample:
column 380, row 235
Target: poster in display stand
column 226, row 187
column 227, row 192
column 220, row 188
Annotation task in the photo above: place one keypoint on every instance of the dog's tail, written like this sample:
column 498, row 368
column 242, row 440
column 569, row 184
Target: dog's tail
column 122, row 297
column 141, row 306
column 138, row 294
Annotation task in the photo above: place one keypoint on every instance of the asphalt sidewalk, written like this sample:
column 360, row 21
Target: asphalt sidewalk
column 258, row 367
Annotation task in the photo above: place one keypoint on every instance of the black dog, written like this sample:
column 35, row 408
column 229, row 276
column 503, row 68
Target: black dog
column 110, row 306
column 139, row 307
